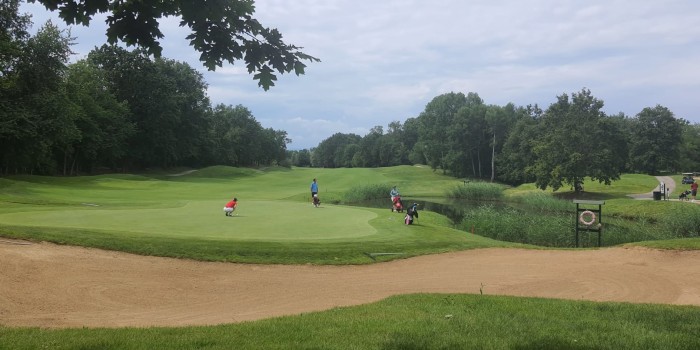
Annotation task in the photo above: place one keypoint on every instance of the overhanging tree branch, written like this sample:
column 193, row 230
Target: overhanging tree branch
column 222, row 31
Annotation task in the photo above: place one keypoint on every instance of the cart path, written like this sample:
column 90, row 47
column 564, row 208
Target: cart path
column 670, row 188
column 48, row 285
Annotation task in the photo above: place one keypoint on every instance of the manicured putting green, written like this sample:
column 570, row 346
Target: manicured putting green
column 254, row 220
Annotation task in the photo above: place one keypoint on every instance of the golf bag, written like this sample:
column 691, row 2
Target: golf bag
column 317, row 201
column 411, row 213
column 684, row 195
column 397, row 205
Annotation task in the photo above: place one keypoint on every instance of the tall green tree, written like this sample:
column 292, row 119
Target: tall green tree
column 436, row 121
column 690, row 148
column 222, row 31
column 371, row 146
column 13, row 35
column 14, row 117
column 577, row 141
column 500, row 120
column 188, row 111
column 468, row 139
column 239, row 140
column 167, row 104
column 655, row 142
column 39, row 118
column 102, row 120
column 300, row 158
column 332, row 152
column 518, row 150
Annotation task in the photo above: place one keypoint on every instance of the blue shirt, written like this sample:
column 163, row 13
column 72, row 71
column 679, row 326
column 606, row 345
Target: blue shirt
column 314, row 186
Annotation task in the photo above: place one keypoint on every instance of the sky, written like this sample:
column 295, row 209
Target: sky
column 384, row 60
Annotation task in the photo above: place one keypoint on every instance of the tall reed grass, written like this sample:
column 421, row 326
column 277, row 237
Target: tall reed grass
column 546, row 223
column 477, row 191
column 367, row 192
column 543, row 202
column 514, row 225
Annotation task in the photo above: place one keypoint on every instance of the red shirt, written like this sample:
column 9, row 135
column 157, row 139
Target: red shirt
column 231, row 204
column 694, row 186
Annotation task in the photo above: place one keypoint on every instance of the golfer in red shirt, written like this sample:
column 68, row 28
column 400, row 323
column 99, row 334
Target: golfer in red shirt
column 230, row 207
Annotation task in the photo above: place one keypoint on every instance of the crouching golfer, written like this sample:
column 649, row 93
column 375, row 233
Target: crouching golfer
column 230, row 207
column 411, row 213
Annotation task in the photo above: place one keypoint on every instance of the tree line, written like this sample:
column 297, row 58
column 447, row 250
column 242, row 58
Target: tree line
column 125, row 111
column 115, row 109
column 560, row 146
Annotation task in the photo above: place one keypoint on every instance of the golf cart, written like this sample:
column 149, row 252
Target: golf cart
column 688, row 178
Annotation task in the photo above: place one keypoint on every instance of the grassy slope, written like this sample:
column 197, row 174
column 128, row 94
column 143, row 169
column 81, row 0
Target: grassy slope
column 411, row 322
column 182, row 216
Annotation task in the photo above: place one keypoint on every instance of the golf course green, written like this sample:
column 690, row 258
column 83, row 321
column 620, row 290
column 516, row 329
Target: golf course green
column 181, row 214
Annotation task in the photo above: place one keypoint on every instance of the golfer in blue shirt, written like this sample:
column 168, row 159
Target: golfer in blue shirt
column 314, row 188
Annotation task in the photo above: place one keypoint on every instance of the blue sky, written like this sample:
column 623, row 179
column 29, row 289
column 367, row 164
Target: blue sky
column 383, row 61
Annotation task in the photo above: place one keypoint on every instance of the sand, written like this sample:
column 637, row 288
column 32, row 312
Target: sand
column 56, row 286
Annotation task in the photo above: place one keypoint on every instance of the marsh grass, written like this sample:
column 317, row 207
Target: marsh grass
column 543, row 202
column 366, row 192
column 551, row 223
column 514, row 225
column 476, row 191
column 419, row 321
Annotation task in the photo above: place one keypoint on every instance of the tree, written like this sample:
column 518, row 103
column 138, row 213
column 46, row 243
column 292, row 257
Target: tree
column 467, row 138
column 370, row 147
column 222, row 31
column 332, row 152
column 240, row 140
column 167, row 104
column 435, row 122
column 690, row 148
column 655, row 142
column 37, row 117
column 301, row 158
column 14, row 118
column 577, row 141
column 13, row 35
column 518, row 150
column 103, row 121
column 500, row 120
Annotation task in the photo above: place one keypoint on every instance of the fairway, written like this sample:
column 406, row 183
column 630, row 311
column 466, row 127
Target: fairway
column 255, row 220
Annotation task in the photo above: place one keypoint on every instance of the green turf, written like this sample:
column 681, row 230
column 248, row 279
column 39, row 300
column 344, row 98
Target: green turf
column 182, row 216
column 410, row 322
column 254, row 220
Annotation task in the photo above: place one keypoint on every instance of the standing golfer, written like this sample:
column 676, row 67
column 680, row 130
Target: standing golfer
column 393, row 193
column 314, row 188
column 231, row 206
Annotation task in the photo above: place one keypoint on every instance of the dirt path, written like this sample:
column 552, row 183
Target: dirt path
column 50, row 285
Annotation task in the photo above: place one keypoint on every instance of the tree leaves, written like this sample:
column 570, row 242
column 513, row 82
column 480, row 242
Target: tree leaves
column 222, row 31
